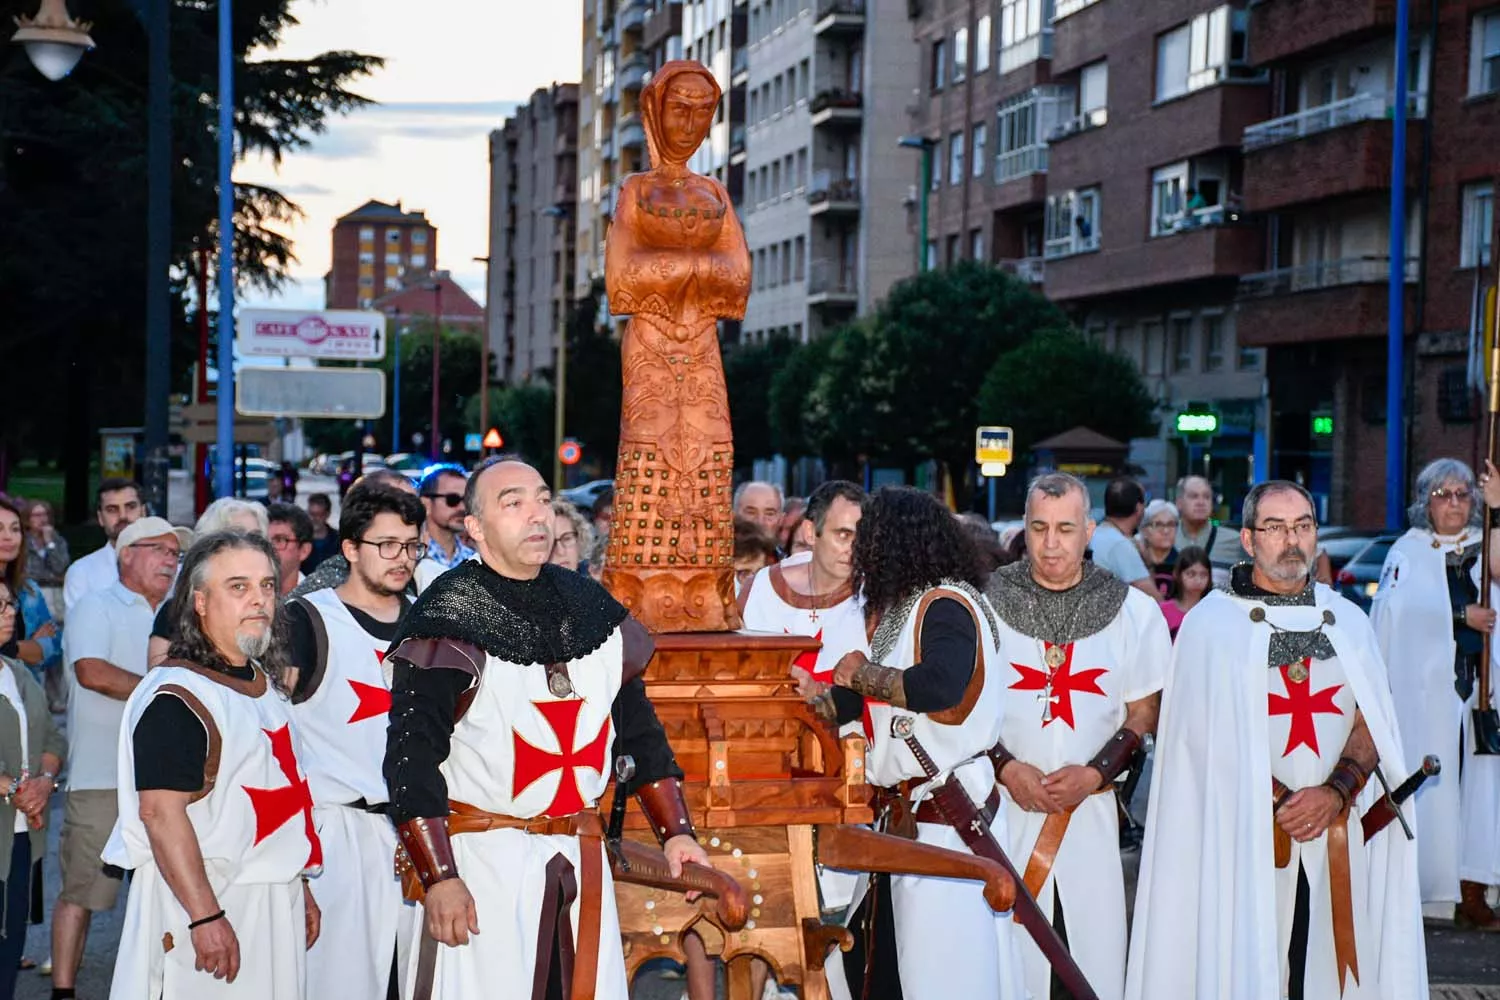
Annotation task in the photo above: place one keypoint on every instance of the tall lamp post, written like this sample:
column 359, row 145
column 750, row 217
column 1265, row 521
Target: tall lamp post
column 484, row 356
column 558, row 213
column 926, row 145
column 435, row 446
column 1395, row 361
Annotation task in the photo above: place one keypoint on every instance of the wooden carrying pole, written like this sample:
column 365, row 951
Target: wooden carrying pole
column 1486, row 721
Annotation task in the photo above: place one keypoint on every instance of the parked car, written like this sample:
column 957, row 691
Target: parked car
column 583, row 497
column 409, row 464
column 1343, row 544
column 1360, row 577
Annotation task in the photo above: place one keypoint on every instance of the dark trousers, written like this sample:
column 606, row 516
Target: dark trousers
column 17, row 908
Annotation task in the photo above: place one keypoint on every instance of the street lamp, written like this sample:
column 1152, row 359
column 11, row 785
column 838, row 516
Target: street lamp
column 484, row 356
column 54, row 41
column 559, row 212
column 435, row 446
column 926, row 145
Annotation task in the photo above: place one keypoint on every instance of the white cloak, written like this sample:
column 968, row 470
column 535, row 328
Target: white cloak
column 1414, row 624
column 1206, row 905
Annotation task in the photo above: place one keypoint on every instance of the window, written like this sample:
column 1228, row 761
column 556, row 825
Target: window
column 419, row 238
column 799, row 259
column 1093, row 94
column 1484, row 54
column 953, row 250
column 366, row 280
column 960, row 54
column 976, row 244
column 774, row 278
column 956, row 158
column 791, row 86
column 776, row 98
column 419, row 260
column 981, row 141
column 1168, row 198
column 1188, row 194
column 1200, row 53
column 1072, row 223
column 1213, row 343
column 931, row 254
column 393, row 236
column 803, row 79
column 1455, row 396
column 1182, row 344
column 801, row 168
column 939, row 65
column 775, row 190
column 1248, row 359
column 367, row 233
column 367, row 256
column 1019, row 20
column 1154, row 347
column 1478, row 231
column 786, row 262
column 982, row 44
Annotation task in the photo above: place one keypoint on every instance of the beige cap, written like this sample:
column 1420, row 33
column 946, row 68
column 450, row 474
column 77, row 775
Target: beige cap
column 152, row 527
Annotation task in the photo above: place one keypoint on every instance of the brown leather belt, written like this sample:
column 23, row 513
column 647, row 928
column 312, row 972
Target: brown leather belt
column 1044, row 853
column 464, row 818
column 927, row 810
column 1345, row 951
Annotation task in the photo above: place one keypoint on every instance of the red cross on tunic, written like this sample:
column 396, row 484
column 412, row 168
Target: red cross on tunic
column 1302, row 703
column 374, row 702
column 1059, row 686
column 808, row 658
column 533, row 762
column 274, row 807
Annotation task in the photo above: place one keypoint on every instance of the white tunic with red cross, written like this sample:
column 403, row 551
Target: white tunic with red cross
column 254, row 828
column 342, row 723
column 521, row 750
column 1058, row 716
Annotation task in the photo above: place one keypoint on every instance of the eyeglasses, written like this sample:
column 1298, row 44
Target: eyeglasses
column 1280, row 529
column 451, row 499
column 568, row 538
column 389, row 548
column 1160, row 525
column 9, row 605
column 1460, row 495
column 283, row 542
column 159, row 549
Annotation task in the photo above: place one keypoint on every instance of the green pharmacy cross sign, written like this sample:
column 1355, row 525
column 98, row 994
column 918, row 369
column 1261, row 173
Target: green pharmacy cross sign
column 1196, row 423
column 1322, row 425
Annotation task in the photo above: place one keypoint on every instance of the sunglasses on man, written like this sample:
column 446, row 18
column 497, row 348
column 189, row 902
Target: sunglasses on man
column 451, row 499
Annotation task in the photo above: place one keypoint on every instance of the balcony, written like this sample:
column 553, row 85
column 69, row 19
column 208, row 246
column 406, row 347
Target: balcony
column 662, row 24
column 835, row 106
column 1281, row 29
column 833, row 284
column 1324, row 300
column 829, row 194
column 1026, row 51
column 736, row 143
column 632, row 135
column 566, row 143
column 1131, row 266
column 631, row 15
column 1331, row 151
column 1066, row 7
column 1021, row 162
column 739, row 68
column 1031, row 270
column 607, row 147
column 839, row 17
column 633, row 72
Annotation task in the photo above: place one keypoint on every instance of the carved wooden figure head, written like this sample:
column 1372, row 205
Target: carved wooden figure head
column 677, row 110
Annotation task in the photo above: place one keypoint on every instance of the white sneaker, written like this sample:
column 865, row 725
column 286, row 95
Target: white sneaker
column 45, row 969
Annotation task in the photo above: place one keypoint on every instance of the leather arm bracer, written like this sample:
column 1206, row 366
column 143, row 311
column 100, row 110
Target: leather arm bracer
column 1347, row 779
column 873, row 680
column 1116, row 754
column 428, row 850
column 666, row 809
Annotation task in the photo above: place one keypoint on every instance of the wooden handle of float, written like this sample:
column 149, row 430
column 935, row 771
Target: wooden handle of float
column 855, row 848
column 1484, row 698
column 648, row 867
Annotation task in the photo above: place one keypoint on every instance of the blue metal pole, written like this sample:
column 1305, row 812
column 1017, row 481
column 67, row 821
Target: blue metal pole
column 1395, row 362
column 396, row 392
column 225, row 473
column 994, row 482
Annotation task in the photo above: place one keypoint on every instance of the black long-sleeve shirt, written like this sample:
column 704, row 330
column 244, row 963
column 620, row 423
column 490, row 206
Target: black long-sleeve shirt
column 423, row 704
column 949, row 642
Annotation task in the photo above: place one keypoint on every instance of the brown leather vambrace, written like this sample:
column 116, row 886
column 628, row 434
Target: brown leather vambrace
column 666, row 808
column 1115, row 756
column 875, row 681
column 428, row 850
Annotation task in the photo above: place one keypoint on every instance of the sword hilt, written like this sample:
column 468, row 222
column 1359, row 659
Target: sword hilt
column 624, row 771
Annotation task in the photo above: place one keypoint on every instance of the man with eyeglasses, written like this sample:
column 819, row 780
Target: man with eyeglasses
column 105, row 644
column 1256, row 878
column 117, row 503
column 442, row 493
column 1431, row 628
column 291, row 533
column 341, row 698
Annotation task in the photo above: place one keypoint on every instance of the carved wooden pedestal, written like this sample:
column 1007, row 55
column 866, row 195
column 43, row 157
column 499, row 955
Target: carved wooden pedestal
column 761, row 771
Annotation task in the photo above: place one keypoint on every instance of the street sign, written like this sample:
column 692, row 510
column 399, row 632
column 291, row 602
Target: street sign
column 200, row 425
column 472, row 442
column 994, row 444
column 569, row 452
column 292, row 333
column 992, row 470
column 493, row 439
column 349, row 393
column 1197, row 422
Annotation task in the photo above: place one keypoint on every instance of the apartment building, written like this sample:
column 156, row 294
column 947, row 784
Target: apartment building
column 533, row 219
column 1320, row 173
column 1092, row 147
column 829, row 85
column 375, row 247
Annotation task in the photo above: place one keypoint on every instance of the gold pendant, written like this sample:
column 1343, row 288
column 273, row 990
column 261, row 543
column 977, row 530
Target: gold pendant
column 1054, row 657
column 558, row 681
column 1297, row 672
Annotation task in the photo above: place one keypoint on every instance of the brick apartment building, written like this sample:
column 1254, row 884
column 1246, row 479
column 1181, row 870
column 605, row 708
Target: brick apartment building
column 374, row 246
column 1319, row 173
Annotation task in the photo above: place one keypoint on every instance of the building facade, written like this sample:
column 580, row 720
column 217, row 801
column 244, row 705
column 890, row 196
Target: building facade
column 376, row 248
column 533, row 225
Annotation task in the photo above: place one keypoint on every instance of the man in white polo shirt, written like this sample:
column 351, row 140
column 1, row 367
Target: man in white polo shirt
column 105, row 645
column 117, row 504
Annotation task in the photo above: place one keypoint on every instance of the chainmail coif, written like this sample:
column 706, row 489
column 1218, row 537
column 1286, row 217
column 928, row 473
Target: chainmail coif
column 556, row 617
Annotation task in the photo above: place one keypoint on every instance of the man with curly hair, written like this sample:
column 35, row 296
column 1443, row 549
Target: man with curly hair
column 1085, row 657
column 930, row 687
column 215, row 819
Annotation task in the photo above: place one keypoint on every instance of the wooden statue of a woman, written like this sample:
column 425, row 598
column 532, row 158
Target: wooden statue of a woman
column 675, row 262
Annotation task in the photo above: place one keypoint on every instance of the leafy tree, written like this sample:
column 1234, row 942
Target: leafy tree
column 795, row 432
column 524, row 415
column 749, row 371
column 1059, row 381
column 594, row 384
column 73, row 193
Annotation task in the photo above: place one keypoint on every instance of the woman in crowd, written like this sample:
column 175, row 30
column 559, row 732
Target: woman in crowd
column 47, row 557
column 31, row 755
column 35, row 638
column 754, row 550
column 1157, row 541
column 572, row 536
column 1192, row 578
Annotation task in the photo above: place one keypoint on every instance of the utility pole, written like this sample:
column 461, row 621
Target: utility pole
column 1395, row 360
column 926, row 145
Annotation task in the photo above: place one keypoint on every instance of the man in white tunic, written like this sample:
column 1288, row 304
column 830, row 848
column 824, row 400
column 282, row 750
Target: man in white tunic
column 1430, row 625
column 341, row 697
column 932, row 676
column 1256, row 879
column 513, row 680
column 1083, row 658
column 215, row 816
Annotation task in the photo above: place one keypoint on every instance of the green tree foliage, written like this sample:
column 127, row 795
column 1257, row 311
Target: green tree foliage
column 1059, row 381
column 524, row 416
column 594, row 385
column 797, row 423
column 749, row 371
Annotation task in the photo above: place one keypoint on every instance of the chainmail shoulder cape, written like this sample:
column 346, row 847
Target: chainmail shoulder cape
column 1056, row 616
column 1286, row 646
column 894, row 620
column 559, row 616
column 331, row 572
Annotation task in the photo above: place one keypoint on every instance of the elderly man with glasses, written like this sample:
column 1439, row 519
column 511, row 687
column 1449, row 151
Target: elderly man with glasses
column 442, row 493
column 1431, row 629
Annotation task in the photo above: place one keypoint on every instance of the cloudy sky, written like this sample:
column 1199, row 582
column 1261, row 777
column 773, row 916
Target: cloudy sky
column 454, row 70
